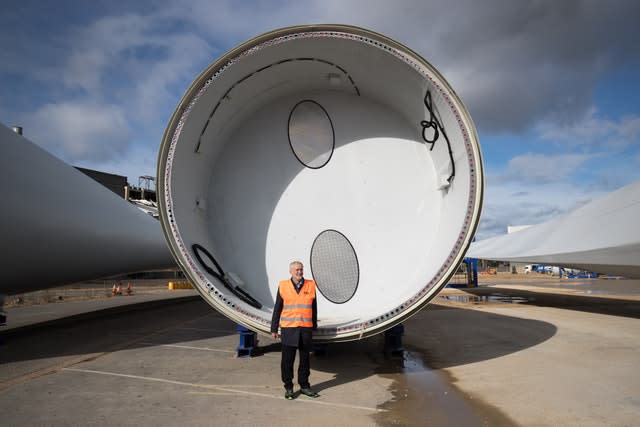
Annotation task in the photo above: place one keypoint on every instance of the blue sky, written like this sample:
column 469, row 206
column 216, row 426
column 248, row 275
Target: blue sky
column 553, row 87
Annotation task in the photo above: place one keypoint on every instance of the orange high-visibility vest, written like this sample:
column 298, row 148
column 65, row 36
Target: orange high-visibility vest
column 297, row 310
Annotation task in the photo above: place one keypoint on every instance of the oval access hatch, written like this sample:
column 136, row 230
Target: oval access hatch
column 334, row 266
column 311, row 134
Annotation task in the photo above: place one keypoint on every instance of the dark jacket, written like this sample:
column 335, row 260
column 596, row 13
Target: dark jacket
column 293, row 336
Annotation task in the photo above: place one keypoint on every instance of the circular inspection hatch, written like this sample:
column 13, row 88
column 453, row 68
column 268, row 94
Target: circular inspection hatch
column 334, row 266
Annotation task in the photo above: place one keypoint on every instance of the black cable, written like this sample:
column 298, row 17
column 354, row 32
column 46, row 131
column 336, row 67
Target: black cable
column 221, row 276
column 324, row 61
column 434, row 123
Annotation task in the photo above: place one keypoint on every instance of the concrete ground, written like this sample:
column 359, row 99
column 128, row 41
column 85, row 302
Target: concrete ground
column 538, row 352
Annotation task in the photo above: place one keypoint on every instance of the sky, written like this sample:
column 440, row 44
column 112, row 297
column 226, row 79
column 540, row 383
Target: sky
column 553, row 87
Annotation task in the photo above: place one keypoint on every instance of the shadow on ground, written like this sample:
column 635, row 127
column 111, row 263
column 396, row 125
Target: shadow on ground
column 439, row 333
column 113, row 329
column 440, row 336
column 447, row 336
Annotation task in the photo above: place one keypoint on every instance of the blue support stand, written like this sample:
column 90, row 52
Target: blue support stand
column 473, row 263
column 393, row 340
column 248, row 341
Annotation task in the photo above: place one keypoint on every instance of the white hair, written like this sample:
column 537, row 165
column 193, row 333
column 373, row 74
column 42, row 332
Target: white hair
column 292, row 263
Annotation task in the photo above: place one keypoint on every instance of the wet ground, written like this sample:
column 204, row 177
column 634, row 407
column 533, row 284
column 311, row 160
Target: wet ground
column 589, row 287
column 422, row 396
column 516, row 351
column 458, row 367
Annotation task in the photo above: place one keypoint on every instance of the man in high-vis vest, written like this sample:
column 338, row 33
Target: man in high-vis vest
column 296, row 314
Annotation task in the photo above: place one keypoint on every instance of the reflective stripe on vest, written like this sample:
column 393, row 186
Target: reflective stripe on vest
column 294, row 306
column 297, row 309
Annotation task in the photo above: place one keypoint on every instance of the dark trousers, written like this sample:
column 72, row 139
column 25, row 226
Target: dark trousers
column 304, row 367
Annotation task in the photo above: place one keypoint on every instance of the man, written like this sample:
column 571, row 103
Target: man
column 296, row 314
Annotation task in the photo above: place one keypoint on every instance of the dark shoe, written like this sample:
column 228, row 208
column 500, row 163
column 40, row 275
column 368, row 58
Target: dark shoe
column 308, row 392
column 288, row 394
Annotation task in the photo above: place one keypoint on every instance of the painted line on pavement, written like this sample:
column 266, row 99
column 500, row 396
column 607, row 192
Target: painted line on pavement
column 222, row 389
column 188, row 347
column 222, row 331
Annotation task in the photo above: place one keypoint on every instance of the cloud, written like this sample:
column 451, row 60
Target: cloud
column 497, row 218
column 116, row 78
column 98, row 86
column 155, row 94
column 135, row 60
column 543, row 168
column 140, row 159
column 517, row 63
column 535, row 187
column 594, row 132
column 513, row 63
column 508, row 204
column 79, row 131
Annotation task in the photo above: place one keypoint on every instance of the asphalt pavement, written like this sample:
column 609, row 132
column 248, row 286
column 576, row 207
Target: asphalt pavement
column 530, row 353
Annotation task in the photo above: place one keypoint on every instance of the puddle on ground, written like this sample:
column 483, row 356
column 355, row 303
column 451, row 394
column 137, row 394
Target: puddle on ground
column 484, row 299
column 425, row 397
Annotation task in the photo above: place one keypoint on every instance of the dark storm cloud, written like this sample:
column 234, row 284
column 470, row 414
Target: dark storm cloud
column 518, row 65
column 514, row 62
